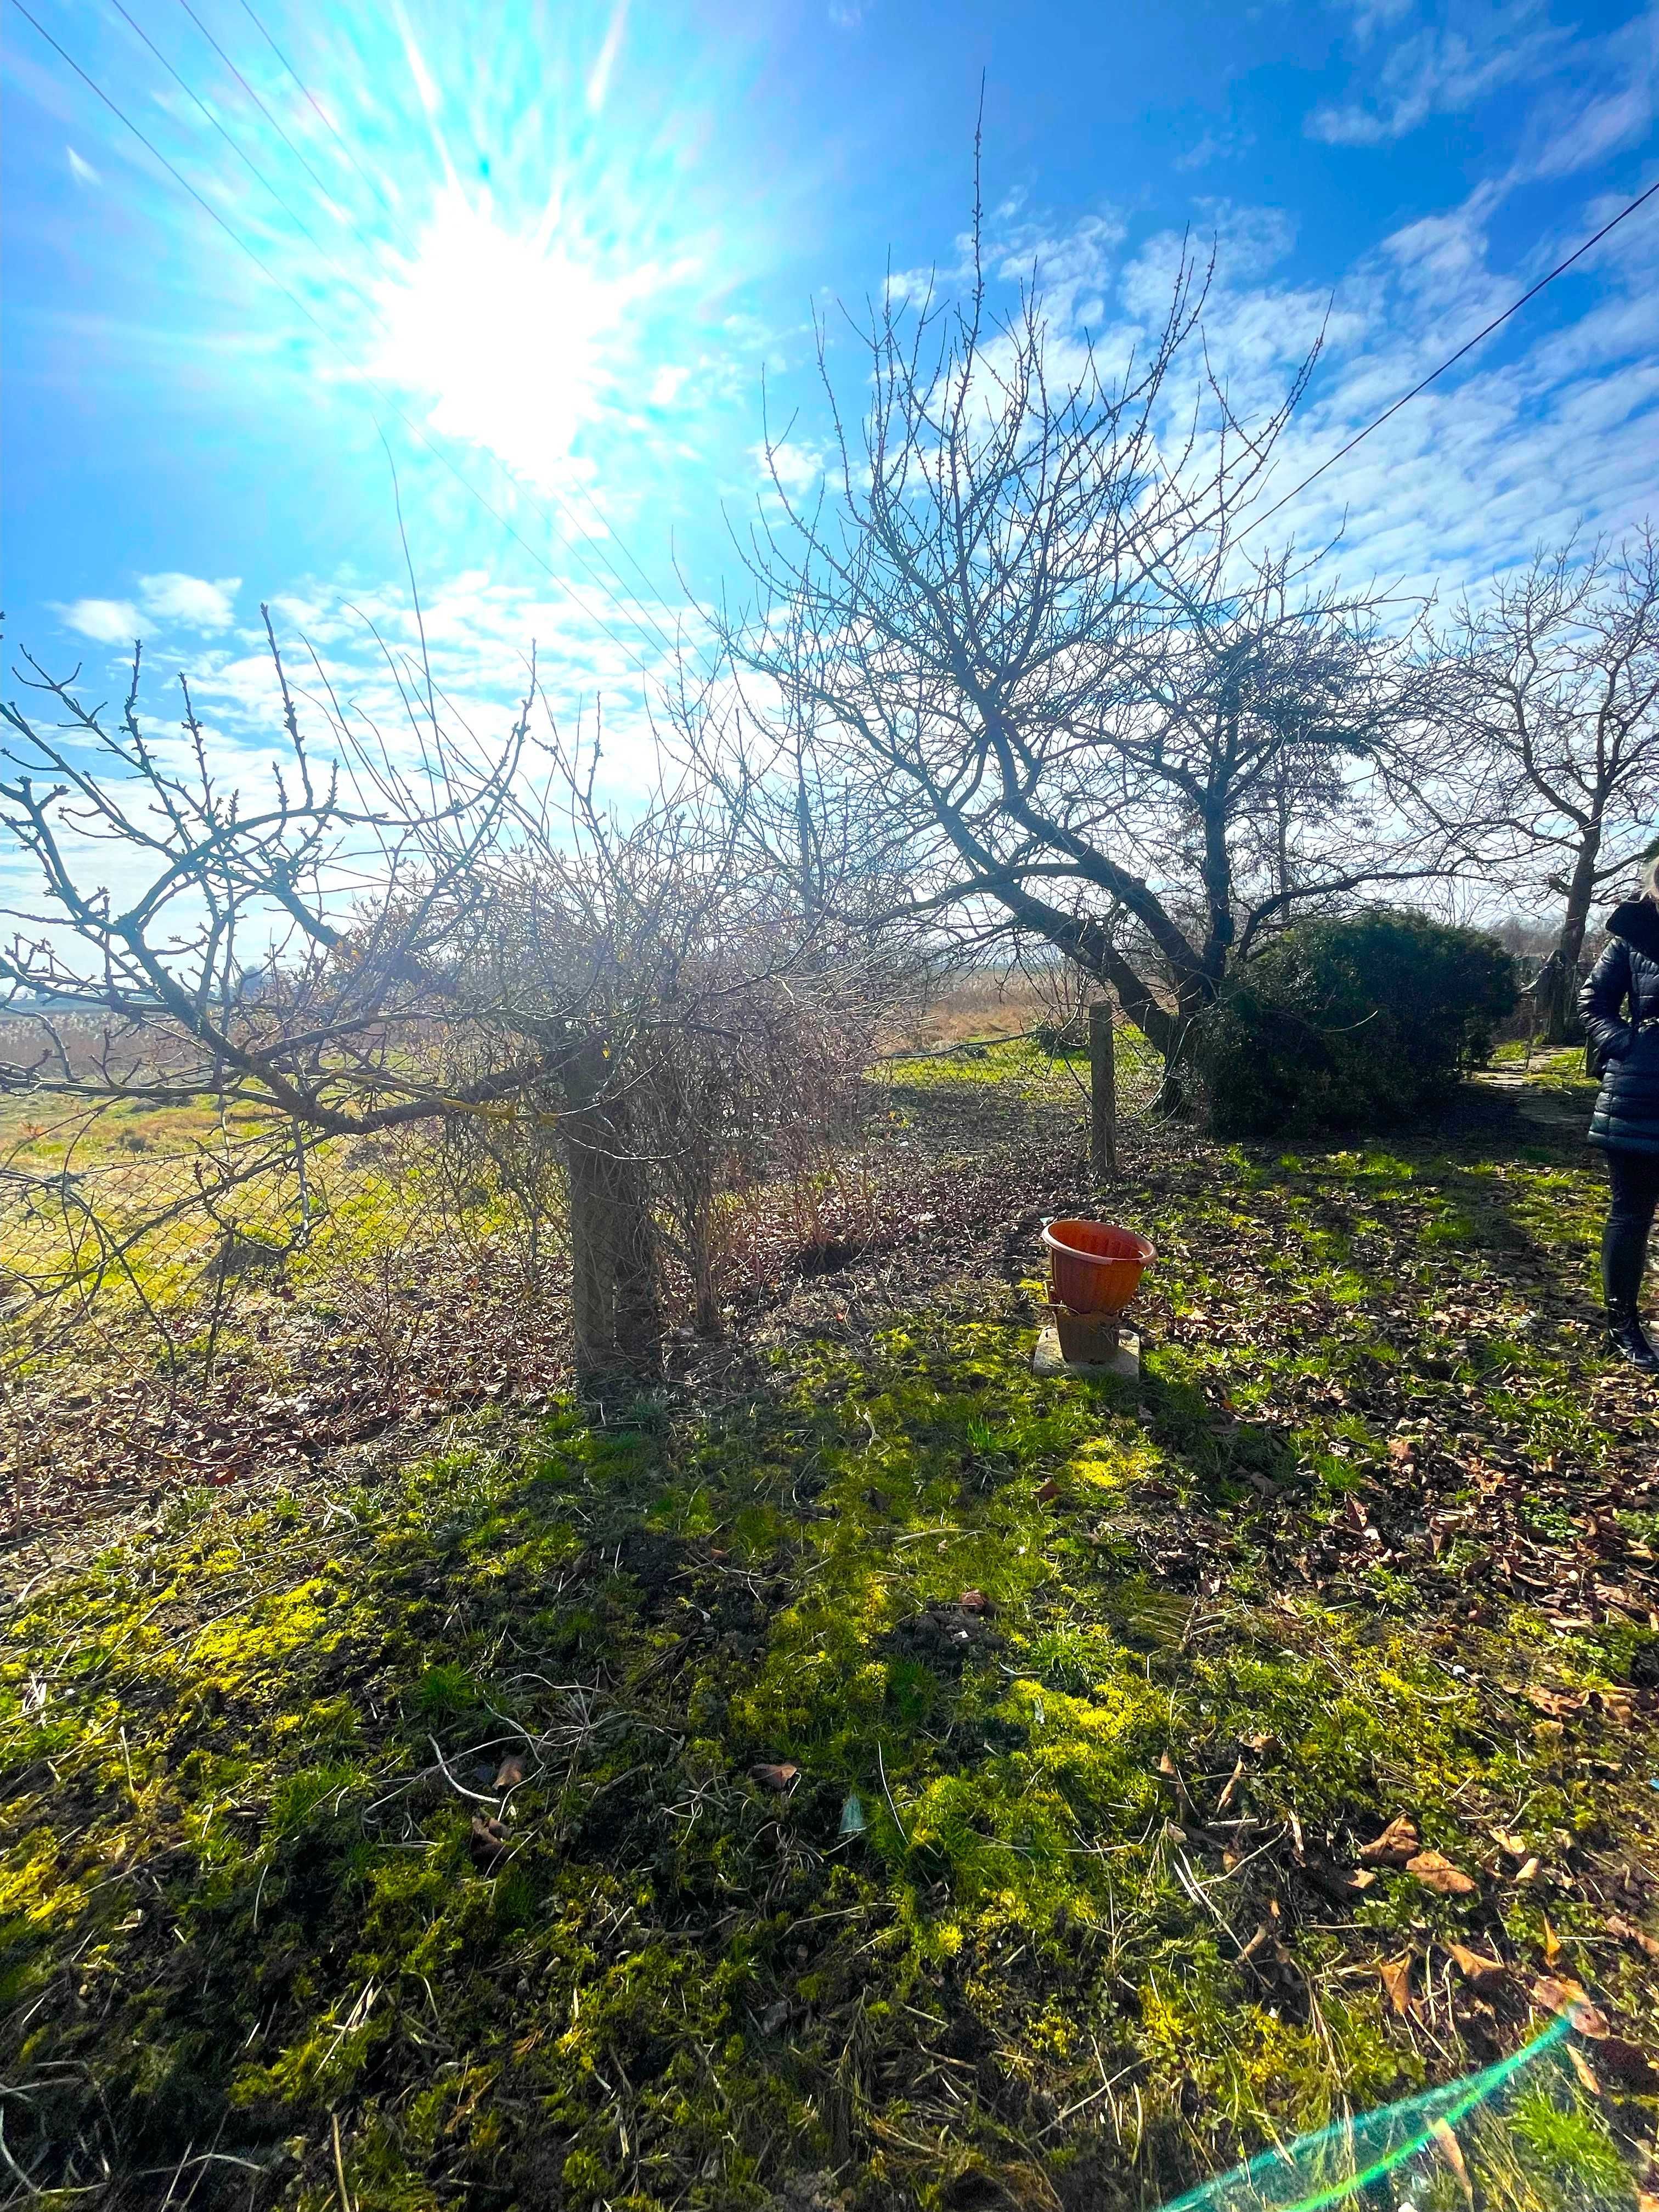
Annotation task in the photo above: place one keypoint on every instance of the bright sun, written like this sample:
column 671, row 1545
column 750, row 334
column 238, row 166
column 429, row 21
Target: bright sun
column 511, row 338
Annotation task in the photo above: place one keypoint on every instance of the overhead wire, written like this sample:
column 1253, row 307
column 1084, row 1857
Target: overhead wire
column 343, row 216
column 269, row 274
column 235, row 144
column 1255, row 522
column 1451, row 360
column 327, row 120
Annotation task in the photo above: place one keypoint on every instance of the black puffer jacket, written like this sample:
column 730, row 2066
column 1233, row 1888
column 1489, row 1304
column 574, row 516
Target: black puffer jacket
column 1626, row 1117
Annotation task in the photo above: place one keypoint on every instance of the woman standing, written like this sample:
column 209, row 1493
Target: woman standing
column 1619, row 1004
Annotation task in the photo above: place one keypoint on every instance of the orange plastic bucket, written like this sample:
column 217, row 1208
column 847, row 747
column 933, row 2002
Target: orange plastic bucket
column 1095, row 1267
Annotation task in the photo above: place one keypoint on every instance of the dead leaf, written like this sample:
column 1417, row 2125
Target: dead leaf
column 1505, row 1842
column 1452, row 2151
column 489, row 1840
column 1398, row 1843
column 974, row 1601
column 1401, row 1448
column 1627, row 2064
column 510, row 1773
column 1528, row 1872
column 1586, row 2073
column 1627, row 1932
column 1340, row 1885
column 1559, row 1993
column 1437, row 1872
column 1483, row 1972
column 1552, row 1946
column 771, row 1776
column 1233, row 1781
column 1048, row 1492
column 1396, row 1975
column 1559, row 1705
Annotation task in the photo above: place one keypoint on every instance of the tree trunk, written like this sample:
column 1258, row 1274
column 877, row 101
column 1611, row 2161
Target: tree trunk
column 1103, row 1095
column 616, row 1290
column 1560, row 1016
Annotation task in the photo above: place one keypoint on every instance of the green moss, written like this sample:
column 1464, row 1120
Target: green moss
column 241, row 1891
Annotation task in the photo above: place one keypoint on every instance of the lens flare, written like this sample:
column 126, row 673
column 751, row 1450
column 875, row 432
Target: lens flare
column 515, row 343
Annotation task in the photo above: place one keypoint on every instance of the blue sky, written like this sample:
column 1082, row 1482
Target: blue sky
column 553, row 251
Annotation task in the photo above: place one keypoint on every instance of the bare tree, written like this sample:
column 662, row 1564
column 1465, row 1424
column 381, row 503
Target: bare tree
column 1553, row 697
column 1018, row 622
column 437, row 934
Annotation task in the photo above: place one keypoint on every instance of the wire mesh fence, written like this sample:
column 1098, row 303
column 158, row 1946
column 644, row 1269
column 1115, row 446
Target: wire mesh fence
column 1049, row 1065
column 198, row 1286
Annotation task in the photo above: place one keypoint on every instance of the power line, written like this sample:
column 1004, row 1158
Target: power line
column 598, row 549
column 327, row 120
column 413, row 427
column 258, row 102
column 615, row 574
column 622, row 543
column 235, row 145
column 1451, row 360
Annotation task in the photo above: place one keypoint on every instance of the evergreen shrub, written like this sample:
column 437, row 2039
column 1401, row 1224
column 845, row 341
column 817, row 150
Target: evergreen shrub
column 1356, row 1023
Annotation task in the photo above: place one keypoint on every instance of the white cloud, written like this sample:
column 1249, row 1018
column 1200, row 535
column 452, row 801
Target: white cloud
column 796, row 467
column 665, row 385
column 1438, row 68
column 82, row 171
column 1220, row 142
column 1566, row 132
column 189, row 601
column 106, row 622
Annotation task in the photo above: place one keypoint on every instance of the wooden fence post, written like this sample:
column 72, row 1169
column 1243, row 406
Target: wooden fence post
column 1103, row 1095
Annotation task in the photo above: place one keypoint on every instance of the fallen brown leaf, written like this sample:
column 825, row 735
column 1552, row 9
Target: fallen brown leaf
column 1559, row 1993
column 1048, row 1492
column 1627, row 1932
column 1559, row 1705
column 1341, row 1883
column 1452, row 2151
column 1435, row 1872
column 1587, row 2074
column 1398, row 1843
column 489, row 1840
column 974, row 1601
column 774, row 1776
column 1552, row 1944
column 1233, row 1780
column 1396, row 1975
column 1528, row 1872
column 510, row 1773
column 1485, row 1973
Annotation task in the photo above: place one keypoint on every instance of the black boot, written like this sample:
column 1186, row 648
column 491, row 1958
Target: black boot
column 1625, row 1328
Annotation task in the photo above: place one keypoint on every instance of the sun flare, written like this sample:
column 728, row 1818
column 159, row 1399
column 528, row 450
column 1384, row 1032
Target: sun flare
column 512, row 338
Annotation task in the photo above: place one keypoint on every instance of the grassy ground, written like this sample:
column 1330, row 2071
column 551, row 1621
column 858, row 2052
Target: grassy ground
column 868, row 1775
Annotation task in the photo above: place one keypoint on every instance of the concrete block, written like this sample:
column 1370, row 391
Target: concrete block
column 1049, row 1359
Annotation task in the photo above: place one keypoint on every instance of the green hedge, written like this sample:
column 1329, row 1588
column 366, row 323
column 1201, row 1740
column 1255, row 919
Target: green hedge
column 1349, row 1024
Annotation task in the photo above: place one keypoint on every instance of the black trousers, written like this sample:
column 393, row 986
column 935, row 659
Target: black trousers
column 1635, row 1180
